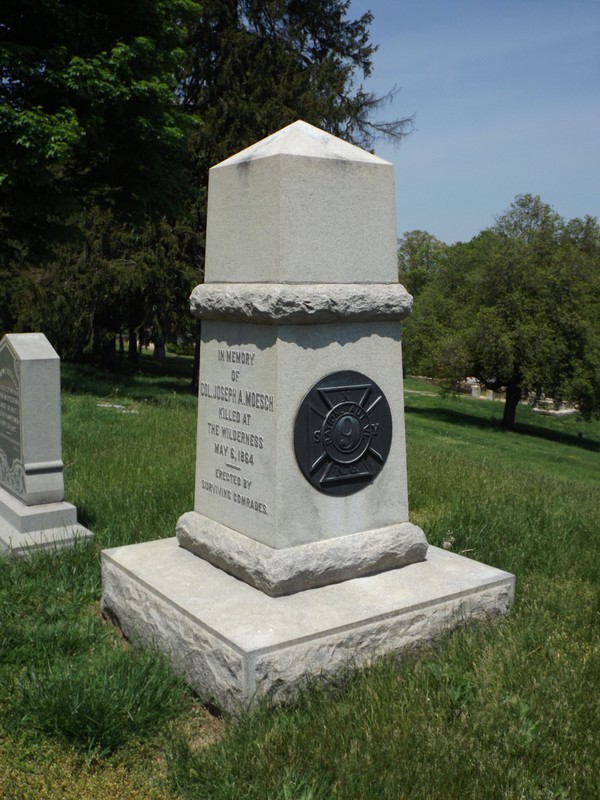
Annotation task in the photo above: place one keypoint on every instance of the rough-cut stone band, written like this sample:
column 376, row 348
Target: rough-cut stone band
column 298, row 304
column 307, row 566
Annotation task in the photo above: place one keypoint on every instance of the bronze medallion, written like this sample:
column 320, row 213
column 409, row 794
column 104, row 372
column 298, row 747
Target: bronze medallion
column 343, row 433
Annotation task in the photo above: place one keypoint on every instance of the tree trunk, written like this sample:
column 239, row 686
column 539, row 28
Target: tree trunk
column 132, row 351
column 513, row 397
column 108, row 353
column 159, row 349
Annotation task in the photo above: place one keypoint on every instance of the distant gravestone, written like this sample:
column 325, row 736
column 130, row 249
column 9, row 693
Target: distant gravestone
column 299, row 558
column 32, row 508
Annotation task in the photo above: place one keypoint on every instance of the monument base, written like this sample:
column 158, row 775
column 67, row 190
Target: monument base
column 48, row 525
column 234, row 644
column 305, row 566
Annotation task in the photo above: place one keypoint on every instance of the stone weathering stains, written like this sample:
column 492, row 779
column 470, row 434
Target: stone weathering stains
column 33, row 512
column 299, row 558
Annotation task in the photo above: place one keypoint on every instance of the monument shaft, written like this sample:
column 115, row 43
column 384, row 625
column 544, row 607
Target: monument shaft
column 288, row 219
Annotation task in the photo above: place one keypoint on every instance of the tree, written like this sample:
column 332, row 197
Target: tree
column 87, row 115
column 255, row 66
column 112, row 112
column 518, row 308
column 419, row 255
column 121, row 279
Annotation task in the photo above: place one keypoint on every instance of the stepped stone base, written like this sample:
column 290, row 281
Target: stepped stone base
column 23, row 528
column 295, row 569
column 234, row 644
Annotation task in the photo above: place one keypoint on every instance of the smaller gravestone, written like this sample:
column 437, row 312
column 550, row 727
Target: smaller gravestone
column 32, row 508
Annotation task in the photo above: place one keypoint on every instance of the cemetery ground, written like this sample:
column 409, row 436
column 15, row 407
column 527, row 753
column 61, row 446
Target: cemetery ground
column 507, row 709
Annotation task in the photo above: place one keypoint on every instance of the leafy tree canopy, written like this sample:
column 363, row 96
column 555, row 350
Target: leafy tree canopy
column 87, row 113
column 110, row 112
column 419, row 255
column 122, row 278
column 518, row 308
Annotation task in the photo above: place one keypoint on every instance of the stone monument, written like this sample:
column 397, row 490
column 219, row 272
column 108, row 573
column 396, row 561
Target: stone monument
column 299, row 558
column 33, row 512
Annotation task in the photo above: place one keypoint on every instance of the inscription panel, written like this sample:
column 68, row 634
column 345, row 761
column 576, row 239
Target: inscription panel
column 11, row 454
column 236, row 436
column 343, row 433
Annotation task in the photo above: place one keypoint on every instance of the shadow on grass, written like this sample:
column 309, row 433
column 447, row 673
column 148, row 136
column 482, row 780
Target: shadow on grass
column 453, row 417
column 173, row 375
column 86, row 517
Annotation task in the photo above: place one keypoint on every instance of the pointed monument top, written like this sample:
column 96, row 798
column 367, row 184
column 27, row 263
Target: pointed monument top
column 301, row 206
column 302, row 139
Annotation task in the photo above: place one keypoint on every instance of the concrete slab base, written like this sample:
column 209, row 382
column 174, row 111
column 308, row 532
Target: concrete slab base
column 47, row 525
column 234, row 644
column 21, row 544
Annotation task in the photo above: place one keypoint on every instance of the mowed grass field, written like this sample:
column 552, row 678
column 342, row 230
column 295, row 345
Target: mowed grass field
column 508, row 709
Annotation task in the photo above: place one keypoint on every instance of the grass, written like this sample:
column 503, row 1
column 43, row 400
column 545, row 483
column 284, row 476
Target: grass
column 129, row 442
column 505, row 710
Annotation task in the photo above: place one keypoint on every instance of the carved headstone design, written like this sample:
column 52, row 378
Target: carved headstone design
column 11, row 452
column 30, row 429
column 301, row 398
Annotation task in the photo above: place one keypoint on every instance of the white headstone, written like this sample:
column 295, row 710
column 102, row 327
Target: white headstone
column 32, row 507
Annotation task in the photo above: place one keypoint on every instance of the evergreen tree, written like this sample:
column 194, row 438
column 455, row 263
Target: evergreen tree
column 110, row 113
column 255, row 66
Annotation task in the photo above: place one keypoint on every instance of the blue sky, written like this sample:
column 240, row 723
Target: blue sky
column 506, row 95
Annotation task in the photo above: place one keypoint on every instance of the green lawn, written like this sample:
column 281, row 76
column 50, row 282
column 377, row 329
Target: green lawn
column 508, row 709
